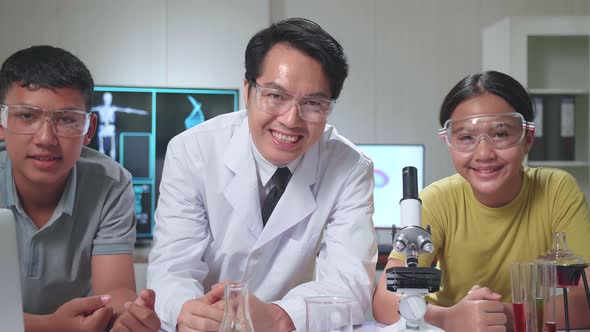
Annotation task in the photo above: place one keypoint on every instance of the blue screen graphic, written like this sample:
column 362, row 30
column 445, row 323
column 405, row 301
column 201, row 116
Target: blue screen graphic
column 135, row 125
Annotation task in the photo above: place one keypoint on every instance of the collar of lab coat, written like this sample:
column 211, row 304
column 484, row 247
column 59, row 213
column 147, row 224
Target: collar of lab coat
column 295, row 205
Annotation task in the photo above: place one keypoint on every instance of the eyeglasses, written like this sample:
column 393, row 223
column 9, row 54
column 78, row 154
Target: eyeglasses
column 277, row 102
column 24, row 119
column 501, row 130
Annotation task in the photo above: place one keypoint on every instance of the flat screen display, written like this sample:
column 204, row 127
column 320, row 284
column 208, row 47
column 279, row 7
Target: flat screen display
column 135, row 125
column 389, row 160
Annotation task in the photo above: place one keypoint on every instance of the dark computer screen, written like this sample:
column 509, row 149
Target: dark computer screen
column 135, row 125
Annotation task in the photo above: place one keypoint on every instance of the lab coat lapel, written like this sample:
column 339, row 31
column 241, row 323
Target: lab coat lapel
column 297, row 201
column 242, row 191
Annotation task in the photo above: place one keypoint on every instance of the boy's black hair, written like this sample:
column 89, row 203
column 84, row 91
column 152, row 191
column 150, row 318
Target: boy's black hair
column 46, row 67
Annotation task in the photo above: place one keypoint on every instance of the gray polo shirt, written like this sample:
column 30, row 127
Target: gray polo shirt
column 95, row 216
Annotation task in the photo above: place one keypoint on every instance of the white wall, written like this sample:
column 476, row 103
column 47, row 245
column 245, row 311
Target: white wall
column 175, row 43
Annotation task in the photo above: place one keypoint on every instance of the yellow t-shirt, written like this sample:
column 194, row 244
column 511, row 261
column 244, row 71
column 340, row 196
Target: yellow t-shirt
column 476, row 244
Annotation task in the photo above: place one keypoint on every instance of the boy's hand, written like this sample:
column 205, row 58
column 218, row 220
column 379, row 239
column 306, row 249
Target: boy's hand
column 139, row 315
column 90, row 314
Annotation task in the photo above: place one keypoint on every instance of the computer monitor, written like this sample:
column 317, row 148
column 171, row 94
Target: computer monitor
column 135, row 125
column 389, row 160
column 11, row 306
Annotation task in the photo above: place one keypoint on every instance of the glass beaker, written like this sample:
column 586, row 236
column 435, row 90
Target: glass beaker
column 236, row 316
column 328, row 314
column 569, row 265
column 569, row 268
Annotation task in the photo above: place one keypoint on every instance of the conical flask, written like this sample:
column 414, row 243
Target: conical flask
column 569, row 265
column 236, row 316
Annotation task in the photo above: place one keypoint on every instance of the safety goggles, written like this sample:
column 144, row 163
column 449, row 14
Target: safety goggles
column 503, row 131
column 25, row 119
column 278, row 102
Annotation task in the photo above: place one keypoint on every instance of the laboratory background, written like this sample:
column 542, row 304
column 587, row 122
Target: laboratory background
column 403, row 56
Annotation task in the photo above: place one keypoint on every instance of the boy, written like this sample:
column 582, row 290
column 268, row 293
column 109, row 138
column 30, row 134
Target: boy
column 73, row 206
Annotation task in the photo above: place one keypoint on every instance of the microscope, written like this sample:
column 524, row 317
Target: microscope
column 412, row 282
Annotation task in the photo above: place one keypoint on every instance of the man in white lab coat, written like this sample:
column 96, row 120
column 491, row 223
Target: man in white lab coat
column 218, row 217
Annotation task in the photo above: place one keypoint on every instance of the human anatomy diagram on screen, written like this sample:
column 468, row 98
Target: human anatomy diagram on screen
column 106, row 127
column 135, row 124
column 196, row 115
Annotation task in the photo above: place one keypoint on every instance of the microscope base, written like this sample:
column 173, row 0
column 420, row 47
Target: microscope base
column 400, row 326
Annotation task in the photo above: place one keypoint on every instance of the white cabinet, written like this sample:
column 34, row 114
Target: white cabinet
column 550, row 56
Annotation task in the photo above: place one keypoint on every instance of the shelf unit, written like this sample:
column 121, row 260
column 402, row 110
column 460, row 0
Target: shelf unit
column 550, row 56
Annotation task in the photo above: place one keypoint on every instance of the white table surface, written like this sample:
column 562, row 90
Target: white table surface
column 378, row 327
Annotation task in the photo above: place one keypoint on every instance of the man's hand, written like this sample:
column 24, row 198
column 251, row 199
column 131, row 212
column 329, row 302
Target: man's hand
column 139, row 315
column 268, row 316
column 480, row 310
column 202, row 314
column 88, row 314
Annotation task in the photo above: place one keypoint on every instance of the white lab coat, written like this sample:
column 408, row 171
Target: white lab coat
column 319, row 240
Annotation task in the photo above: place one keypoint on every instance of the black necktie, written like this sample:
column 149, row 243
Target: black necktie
column 280, row 180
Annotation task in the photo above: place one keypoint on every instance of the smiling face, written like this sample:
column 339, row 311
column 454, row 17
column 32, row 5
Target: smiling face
column 281, row 139
column 495, row 176
column 42, row 158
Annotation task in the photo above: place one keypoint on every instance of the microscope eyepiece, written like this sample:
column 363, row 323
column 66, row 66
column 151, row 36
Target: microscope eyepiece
column 410, row 182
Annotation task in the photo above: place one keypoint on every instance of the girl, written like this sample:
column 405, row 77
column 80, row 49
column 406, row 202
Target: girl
column 493, row 212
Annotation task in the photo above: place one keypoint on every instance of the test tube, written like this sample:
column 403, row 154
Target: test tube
column 530, row 306
column 550, row 288
column 517, row 283
column 540, row 293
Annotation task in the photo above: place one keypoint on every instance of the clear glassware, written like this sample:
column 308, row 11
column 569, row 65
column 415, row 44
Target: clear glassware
column 236, row 316
column 328, row 314
column 523, row 278
column 569, row 265
column 550, row 297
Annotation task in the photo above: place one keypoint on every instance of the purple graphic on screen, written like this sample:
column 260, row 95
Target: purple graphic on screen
column 381, row 179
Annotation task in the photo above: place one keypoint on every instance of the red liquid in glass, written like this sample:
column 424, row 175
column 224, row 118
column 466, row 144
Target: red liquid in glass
column 569, row 275
column 540, row 311
column 550, row 327
column 519, row 319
